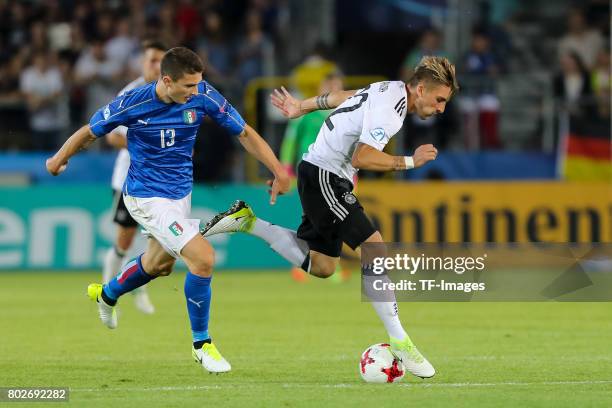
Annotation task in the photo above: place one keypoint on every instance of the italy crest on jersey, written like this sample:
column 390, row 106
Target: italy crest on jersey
column 176, row 229
column 190, row 116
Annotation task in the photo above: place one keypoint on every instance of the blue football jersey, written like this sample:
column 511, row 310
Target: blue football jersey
column 161, row 136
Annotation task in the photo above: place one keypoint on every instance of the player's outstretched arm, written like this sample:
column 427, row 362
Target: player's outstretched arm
column 75, row 143
column 259, row 148
column 368, row 158
column 292, row 107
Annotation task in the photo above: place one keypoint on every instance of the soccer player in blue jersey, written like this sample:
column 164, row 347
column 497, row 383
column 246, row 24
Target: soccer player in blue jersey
column 152, row 54
column 162, row 120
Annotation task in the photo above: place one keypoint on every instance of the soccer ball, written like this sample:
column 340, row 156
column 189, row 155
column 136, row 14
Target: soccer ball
column 379, row 365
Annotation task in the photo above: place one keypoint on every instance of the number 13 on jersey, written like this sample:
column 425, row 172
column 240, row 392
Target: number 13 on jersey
column 167, row 137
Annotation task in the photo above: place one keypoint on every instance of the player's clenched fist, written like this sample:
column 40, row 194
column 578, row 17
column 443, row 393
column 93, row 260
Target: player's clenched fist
column 423, row 154
column 54, row 168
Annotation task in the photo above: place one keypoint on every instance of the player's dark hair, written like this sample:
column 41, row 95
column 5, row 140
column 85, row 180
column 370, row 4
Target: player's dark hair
column 179, row 61
column 153, row 44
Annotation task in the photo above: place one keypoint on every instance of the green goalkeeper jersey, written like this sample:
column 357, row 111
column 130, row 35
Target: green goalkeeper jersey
column 299, row 135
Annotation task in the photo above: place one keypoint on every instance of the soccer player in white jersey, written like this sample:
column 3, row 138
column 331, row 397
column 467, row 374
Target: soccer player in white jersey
column 352, row 137
column 163, row 118
column 152, row 53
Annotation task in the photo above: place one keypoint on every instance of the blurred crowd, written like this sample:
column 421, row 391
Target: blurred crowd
column 580, row 77
column 65, row 58
column 62, row 59
column 582, row 85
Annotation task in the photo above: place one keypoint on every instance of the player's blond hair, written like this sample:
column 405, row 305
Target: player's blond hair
column 437, row 70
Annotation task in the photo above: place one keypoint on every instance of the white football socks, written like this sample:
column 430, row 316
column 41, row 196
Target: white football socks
column 284, row 242
column 385, row 306
column 388, row 313
column 112, row 263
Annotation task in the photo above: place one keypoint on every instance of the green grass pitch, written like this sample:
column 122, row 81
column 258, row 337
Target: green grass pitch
column 297, row 345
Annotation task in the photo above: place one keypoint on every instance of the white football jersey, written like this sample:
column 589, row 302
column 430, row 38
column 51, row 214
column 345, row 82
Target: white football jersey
column 372, row 116
column 122, row 162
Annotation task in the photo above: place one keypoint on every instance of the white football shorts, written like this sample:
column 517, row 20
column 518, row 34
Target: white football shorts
column 165, row 219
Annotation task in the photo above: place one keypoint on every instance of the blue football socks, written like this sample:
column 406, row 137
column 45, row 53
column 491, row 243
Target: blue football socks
column 198, row 295
column 132, row 276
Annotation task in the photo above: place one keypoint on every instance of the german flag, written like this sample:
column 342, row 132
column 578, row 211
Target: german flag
column 588, row 151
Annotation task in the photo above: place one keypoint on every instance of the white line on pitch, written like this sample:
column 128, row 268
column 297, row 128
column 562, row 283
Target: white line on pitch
column 297, row 385
column 510, row 383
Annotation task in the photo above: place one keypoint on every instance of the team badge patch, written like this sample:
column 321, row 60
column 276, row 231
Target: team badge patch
column 122, row 215
column 350, row 198
column 383, row 86
column 176, row 229
column 106, row 112
column 190, row 116
column 378, row 134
